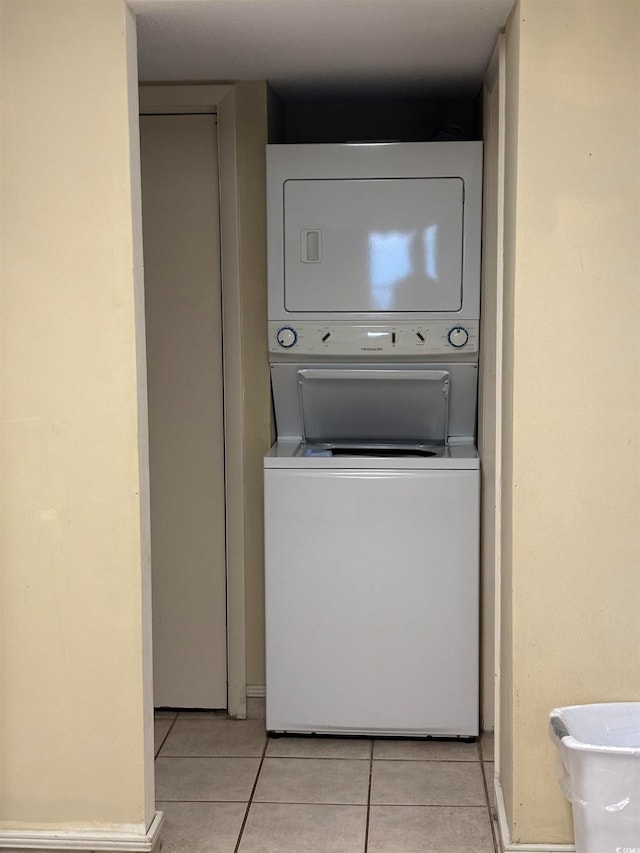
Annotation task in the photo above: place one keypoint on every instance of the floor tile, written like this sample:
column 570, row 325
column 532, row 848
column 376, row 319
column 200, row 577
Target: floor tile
column 425, row 750
column 487, row 746
column 488, row 767
column 427, row 783
column 196, row 779
column 429, row 829
column 278, row 828
column 201, row 827
column 318, row 747
column 256, row 709
column 209, row 736
column 161, row 726
column 313, row 780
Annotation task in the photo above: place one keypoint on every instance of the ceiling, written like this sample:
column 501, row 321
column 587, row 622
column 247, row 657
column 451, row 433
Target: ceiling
column 322, row 47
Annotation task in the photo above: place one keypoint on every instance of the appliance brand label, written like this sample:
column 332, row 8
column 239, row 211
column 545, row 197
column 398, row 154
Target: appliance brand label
column 371, row 349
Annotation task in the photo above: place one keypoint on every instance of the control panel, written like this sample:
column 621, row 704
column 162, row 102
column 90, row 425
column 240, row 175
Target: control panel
column 432, row 337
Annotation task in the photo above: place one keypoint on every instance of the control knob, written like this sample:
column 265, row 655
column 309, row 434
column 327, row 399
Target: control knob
column 286, row 337
column 458, row 336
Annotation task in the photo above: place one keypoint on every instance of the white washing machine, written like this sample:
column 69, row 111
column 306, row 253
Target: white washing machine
column 371, row 520
column 372, row 488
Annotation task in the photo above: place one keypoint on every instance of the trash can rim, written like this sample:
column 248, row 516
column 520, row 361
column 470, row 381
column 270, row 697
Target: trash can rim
column 571, row 743
column 560, row 731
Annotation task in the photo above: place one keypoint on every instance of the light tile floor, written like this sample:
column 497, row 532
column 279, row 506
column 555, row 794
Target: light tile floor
column 225, row 787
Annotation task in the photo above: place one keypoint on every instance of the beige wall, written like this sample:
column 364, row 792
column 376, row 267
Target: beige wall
column 75, row 692
column 572, row 462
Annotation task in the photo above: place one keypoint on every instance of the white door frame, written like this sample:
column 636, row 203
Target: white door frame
column 495, row 86
column 220, row 99
column 495, row 80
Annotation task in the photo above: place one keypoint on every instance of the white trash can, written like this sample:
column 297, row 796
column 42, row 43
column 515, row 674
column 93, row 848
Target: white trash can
column 598, row 766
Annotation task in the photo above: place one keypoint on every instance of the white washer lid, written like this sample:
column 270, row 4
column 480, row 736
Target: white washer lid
column 374, row 405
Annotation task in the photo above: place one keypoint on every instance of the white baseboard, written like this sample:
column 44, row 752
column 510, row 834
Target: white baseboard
column 509, row 846
column 256, row 691
column 65, row 841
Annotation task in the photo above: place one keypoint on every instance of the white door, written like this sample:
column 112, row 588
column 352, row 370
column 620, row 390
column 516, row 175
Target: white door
column 186, row 432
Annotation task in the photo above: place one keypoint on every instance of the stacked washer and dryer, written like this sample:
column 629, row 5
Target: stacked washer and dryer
column 372, row 488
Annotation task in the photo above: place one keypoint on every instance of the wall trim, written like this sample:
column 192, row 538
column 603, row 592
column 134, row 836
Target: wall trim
column 501, row 48
column 256, row 691
column 177, row 98
column 114, row 841
column 135, row 179
column 495, row 81
column 509, row 846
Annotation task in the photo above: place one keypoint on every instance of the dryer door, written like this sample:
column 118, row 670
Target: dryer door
column 373, row 246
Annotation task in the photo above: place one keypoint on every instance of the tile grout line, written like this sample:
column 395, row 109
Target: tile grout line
column 220, row 802
column 253, row 790
column 366, row 829
column 315, row 758
column 416, row 805
column 485, row 784
column 219, row 754
column 342, row 803
column 164, row 739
